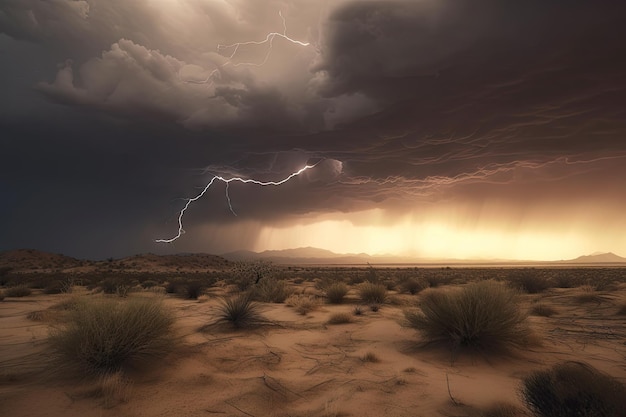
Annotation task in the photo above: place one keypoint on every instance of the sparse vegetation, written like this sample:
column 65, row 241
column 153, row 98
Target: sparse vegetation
column 370, row 357
column 588, row 294
column 413, row 285
column 271, row 290
column 340, row 318
column 191, row 290
column 573, row 389
column 303, row 304
column 529, row 281
column 336, row 292
column 543, row 310
column 483, row 315
column 239, row 311
column 107, row 335
column 372, row 293
column 17, row 291
column 357, row 310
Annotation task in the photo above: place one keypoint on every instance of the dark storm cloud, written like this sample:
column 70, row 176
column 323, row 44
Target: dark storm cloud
column 408, row 103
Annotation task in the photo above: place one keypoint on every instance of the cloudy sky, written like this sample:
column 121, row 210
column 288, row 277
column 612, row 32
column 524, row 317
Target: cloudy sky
column 437, row 128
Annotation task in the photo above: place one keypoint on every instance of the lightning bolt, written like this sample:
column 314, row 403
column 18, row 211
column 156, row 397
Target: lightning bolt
column 269, row 39
column 227, row 181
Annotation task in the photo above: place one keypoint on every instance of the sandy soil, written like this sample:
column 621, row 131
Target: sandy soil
column 301, row 366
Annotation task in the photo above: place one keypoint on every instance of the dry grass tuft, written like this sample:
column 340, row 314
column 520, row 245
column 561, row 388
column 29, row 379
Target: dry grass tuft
column 340, row 318
column 573, row 389
column 17, row 291
column 303, row 304
column 370, row 357
column 240, row 312
column 336, row 292
column 371, row 293
column 483, row 315
column 106, row 336
column 588, row 294
column 543, row 310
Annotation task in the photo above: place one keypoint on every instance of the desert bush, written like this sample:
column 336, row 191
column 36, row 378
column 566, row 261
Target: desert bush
column 357, row 311
column 303, row 304
column 106, row 335
column 271, row 290
column 336, row 292
column 149, row 284
column 372, row 293
column 413, row 285
column 483, row 315
column 191, row 290
column 530, row 282
column 340, row 318
column 173, row 285
column 17, row 291
column 573, row 389
column 543, row 310
column 239, row 311
column 246, row 274
column 588, row 294
column 370, row 357
column 55, row 287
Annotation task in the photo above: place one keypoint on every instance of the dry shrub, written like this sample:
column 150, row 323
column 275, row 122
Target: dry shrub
column 239, row 311
column 105, row 336
column 588, row 294
column 303, row 304
column 271, row 290
column 371, row 293
column 543, row 310
column 573, row 389
column 357, row 310
column 336, row 292
column 370, row 357
column 483, row 315
column 17, row 291
column 340, row 318
column 530, row 282
column 191, row 290
column 413, row 285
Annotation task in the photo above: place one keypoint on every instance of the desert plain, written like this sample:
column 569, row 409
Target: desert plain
column 297, row 361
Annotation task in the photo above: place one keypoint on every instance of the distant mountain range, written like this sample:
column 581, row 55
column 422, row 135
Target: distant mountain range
column 316, row 256
column 30, row 260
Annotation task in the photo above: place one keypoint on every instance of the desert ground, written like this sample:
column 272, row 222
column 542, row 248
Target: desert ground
column 297, row 363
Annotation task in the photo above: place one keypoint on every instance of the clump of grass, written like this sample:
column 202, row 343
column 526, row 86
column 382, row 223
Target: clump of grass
column 340, row 318
column 271, row 290
column 191, row 290
column 543, row 310
column 573, row 389
column 530, row 281
column 588, row 294
column 303, row 304
column 149, row 283
column 336, row 292
column 370, row 357
column 239, row 311
column 357, row 310
column 106, row 336
column 374, row 307
column 18, row 291
column 413, row 285
column 372, row 293
column 483, row 315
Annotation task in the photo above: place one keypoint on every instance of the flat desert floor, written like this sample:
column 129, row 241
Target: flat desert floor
column 299, row 365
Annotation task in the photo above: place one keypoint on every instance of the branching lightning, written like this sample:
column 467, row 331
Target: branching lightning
column 227, row 181
column 269, row 39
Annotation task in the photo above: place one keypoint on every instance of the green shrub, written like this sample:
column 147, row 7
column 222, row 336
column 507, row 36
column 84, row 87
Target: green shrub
column 483, row 315
column 239, row 311
column 105, row 336
column 339, row 318
column 530, row 282
column 17, row 291
column 372, row 293
column 573, row 389
column 336, row 292
column 271, row 290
